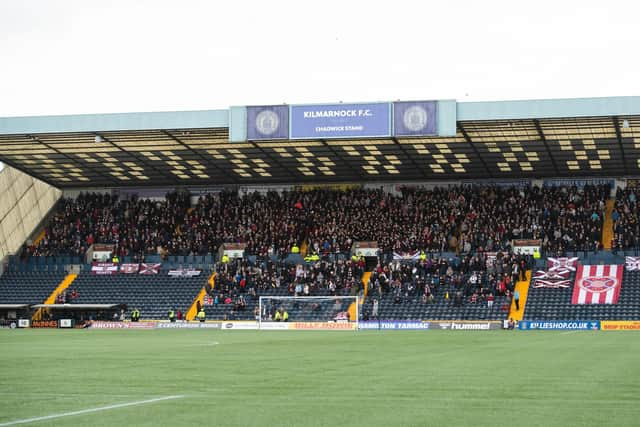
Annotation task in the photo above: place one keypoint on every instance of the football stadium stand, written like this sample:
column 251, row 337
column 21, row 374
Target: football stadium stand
column 452, row 195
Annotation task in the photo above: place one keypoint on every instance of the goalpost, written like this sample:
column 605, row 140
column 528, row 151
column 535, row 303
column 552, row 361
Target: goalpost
column 328, row 312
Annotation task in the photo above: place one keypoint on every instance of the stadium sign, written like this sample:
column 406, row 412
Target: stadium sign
column 394, row 325
column 321, row 326
column 98, row 324
column 239, row 325
column 340, row 121
column 268, row 122
column 418, row 118
column 468, row 325
column 187, row 325
column 574, row 325
column 620, row 325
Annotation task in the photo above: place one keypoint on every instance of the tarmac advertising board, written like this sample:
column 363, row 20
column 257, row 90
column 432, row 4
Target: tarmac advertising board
column 247, row 325
column 465, row 325
column 559, row 325
column 620, row 325
column 340, row 121
column 188, row 325
column 394, row 325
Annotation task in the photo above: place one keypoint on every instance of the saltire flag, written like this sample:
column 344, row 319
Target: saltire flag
column 407, row 256
column 597, row 284
column 562, row 263
column 632, row 263
column 551, row 279
column 150, row 268
column 129, row 268
column 540, row 283
column 552, row 275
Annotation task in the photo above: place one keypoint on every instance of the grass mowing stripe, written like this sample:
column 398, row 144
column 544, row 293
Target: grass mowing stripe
column 89, row 411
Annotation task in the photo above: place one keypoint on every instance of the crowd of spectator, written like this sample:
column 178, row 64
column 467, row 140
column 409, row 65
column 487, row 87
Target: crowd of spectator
column 474, row 279
column 626, row 228
column 239, row 283
column 465, row 219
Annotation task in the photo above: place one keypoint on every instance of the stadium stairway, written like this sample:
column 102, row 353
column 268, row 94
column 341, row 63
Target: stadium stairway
column 607, row 225
column 523, row 287
column 193, row 310
column 39, row 237
column 51, row 299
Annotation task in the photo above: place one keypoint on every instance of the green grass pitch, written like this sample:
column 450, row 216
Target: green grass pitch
column 328, row 378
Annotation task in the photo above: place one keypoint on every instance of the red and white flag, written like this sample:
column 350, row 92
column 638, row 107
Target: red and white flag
column 150, row 268
column 597, row 284
column 562, row 263
column 633, row 263
column 551, row 279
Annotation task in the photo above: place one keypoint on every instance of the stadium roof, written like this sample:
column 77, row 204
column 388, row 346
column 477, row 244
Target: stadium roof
column 499, row 140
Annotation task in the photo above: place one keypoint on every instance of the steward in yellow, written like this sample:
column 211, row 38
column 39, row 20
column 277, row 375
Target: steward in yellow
column 225, row 259
column 295, row 249
column 285, row 316
column 423, row 256
column 172, row 316
column 277, row 317
column 201, row 315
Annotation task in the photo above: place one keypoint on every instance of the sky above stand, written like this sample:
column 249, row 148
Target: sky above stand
column 75, row 57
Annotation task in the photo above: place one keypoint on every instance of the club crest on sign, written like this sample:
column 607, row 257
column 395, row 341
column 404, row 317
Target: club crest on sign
column 267, row 122
column 415, row 118
column 597, row 284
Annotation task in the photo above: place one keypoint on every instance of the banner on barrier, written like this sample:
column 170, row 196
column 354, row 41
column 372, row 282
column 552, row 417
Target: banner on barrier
column 99, row 324
column 460, row 325
column 239, row 325
column 104, row 268
column 23, row 323
column 322, row 326
column 274, row 326
column 559, row 325
column 620, row 325
column 44, row 324
column 187, row 325
column 390, row 324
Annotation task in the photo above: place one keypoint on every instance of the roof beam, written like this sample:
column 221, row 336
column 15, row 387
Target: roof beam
column 108, row 178
column 475, row 150
column 411, row 158
column 134, row 155
column 536, row 123
column 201, row 157
column 273, row 159
column 358, row 171
column 616, row 125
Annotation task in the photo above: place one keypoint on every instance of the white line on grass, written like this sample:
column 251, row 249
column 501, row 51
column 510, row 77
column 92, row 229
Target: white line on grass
column 569, row 332
column 202, row 344
column 89, row 411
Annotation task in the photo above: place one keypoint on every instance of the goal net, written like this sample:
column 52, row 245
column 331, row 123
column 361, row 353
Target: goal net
column 309, row 312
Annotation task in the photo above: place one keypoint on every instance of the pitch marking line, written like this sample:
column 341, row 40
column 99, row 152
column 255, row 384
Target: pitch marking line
column 570, row 332
column 89, row 411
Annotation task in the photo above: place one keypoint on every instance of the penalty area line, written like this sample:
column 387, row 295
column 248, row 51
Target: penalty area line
column 89, row 411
